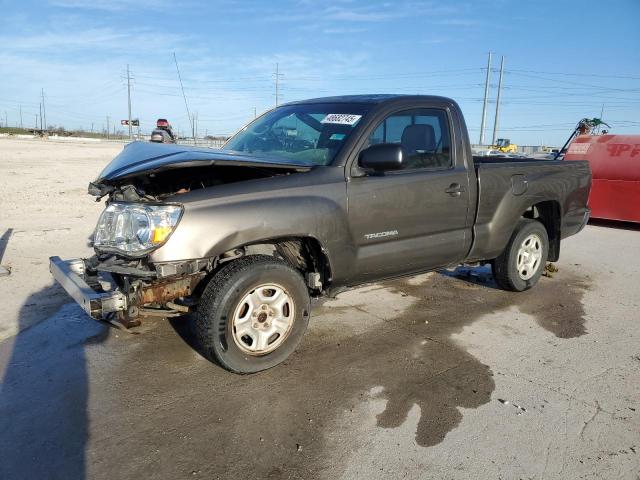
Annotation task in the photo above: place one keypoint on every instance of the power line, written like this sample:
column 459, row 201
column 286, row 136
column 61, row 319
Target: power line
column 433, row 73
column 569, row 82
column 555, row 89
column 392, row 76
column 595, row 75
column 193, row 133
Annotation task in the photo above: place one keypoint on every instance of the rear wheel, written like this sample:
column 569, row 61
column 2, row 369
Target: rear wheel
column 253, row 314
column 523, row 260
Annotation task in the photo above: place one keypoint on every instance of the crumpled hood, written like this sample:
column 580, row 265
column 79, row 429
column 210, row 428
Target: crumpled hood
column 143, row 157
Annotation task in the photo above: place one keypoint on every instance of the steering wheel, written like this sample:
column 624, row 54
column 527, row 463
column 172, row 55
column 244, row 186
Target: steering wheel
column 264, row 138
column 259, row 133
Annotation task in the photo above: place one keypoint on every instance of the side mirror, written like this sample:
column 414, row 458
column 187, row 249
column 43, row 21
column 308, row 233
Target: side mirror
column 381, row 157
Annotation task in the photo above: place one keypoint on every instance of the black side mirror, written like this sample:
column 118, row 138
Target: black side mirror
column 381, row 157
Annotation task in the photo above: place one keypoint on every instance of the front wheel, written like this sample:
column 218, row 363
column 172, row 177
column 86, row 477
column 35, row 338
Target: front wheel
column 253, row 314
column 523, row 260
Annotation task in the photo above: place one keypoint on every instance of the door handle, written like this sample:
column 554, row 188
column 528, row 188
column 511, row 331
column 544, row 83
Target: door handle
column 455, row 189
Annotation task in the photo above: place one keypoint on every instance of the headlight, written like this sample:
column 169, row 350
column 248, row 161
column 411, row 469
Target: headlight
column 134, row 228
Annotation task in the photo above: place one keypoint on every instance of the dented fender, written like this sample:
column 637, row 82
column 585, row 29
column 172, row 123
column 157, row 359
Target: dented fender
column 220, row 219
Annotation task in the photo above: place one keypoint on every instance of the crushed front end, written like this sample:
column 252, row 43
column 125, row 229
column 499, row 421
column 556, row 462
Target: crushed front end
column 118, row 283
column 146, row 187
column 119, row 290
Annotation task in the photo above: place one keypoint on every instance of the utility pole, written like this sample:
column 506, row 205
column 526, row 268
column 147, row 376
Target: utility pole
column 129, row 97
column 40, row 115
column 21, row 125
column 495, row 122
column 36, row 121
column 194, row 126
column 486, row 99
column 277, row 77
column 43, row 121
column 277, row 83
column 107, row 127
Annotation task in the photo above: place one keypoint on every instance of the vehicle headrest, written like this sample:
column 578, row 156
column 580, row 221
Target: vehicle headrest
column 418, row 137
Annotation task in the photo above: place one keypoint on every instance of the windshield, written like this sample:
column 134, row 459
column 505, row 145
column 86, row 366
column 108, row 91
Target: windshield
column 312, row 134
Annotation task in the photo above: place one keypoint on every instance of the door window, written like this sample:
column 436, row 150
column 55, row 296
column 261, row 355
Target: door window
column 423, row 133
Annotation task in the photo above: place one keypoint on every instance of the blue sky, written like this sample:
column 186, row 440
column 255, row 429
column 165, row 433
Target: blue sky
column 563, row 59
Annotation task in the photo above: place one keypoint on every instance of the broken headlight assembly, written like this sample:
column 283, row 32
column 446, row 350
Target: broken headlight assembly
column 135, row 229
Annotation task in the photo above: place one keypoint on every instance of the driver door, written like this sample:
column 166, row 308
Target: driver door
column 413, row 219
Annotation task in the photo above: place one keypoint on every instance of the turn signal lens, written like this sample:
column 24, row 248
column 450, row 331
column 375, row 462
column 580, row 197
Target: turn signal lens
column 160, row 234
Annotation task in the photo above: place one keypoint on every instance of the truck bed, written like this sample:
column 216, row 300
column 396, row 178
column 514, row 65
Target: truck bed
column 507, row 187
column 495, row 159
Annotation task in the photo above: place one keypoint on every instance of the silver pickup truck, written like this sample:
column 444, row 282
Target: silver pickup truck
column 309, row 199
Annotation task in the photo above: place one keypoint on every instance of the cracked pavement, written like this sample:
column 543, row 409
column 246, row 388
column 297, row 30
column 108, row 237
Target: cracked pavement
column 435, row 376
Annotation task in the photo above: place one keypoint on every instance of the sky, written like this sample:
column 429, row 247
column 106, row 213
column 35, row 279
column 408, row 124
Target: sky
column 564, row 60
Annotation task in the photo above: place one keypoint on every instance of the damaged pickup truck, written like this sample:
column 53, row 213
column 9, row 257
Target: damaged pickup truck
column 311, row 198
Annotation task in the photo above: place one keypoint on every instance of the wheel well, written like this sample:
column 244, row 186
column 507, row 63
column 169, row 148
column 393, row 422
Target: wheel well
column 306, row 254
column 548, row 213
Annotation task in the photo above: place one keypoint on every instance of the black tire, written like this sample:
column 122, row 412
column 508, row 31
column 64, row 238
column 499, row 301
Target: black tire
column 505, row 271
column 221, row 297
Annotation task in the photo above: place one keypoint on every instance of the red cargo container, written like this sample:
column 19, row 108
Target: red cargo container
column 615, row 163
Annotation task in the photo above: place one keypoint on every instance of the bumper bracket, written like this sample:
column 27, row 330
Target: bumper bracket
column 70, row 275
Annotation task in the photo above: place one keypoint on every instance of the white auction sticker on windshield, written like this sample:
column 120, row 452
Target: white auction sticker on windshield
column 341, row 118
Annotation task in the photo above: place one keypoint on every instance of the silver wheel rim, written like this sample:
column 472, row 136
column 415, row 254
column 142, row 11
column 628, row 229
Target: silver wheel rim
column 263, row 319
column 529, row 256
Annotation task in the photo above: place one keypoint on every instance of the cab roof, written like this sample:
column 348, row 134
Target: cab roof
column 370, row 99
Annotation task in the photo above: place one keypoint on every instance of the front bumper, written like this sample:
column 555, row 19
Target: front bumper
column 70, row 275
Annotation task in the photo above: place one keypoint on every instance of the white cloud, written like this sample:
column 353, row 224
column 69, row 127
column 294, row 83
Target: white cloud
column 345, row 30
column 459, row 22
column 109, row 5
column 75, row 39
column 344, row 11
column 363, row 14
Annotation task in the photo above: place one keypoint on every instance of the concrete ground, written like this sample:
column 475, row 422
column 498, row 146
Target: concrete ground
column 44, row 210
column 437, row 376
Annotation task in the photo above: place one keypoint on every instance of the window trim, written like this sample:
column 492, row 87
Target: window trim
column 364, row 139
